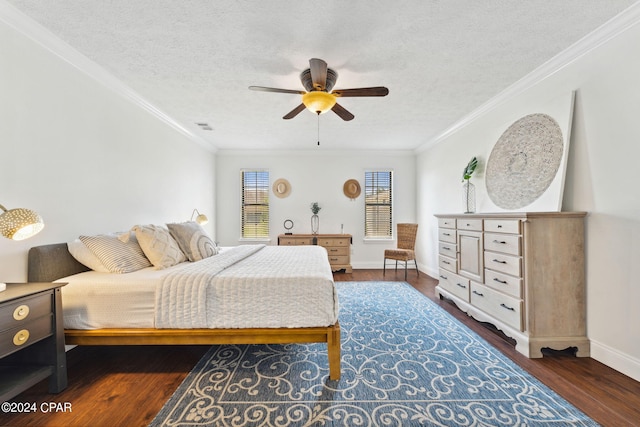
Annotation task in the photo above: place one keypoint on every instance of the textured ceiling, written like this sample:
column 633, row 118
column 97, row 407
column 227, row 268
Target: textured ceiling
column 194, row 59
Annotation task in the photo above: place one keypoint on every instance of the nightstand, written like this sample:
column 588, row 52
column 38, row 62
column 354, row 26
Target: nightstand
column 31, row 338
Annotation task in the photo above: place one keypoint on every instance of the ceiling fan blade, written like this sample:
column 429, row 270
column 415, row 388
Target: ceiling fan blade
column 363, row 91
column 318, row 73
column 294, row 112
column 273, row 89
column 340, row 111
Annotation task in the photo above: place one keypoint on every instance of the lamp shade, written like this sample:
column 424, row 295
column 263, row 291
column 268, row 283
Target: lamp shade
column 318, row 101
column 201, row 218
column 20, row 224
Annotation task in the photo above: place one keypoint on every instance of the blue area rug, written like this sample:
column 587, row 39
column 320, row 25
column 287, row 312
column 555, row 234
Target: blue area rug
column 405, row 362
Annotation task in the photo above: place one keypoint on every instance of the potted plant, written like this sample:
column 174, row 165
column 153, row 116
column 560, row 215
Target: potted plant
column 315, row 219
column 468, row 189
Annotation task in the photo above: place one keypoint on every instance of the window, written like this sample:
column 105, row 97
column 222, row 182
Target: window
column 378, row 212
column 255, row 204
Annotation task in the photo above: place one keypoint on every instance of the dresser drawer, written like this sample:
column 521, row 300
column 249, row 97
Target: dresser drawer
column 15, row 313
column 340, row 241
column 505, row 243
column 503, row 282
column 338, row 260
column 469, row 224
column 446, row 223
column 502, row 307
column 502, row 225
column 457, row 285
column 25, row 334
column 448, row 249
column 447, row 263
column 295, row 241
column 336, row 250
column 447, row 235
column 504, row 263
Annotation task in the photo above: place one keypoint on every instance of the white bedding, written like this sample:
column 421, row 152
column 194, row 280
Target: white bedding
column 274, row 287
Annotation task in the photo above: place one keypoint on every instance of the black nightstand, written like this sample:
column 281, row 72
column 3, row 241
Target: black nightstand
column 31, row 338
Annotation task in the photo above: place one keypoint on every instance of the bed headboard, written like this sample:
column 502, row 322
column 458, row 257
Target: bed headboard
column 52, row 262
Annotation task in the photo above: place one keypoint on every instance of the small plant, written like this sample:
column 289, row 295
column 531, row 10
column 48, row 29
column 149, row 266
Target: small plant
column 315, row 208
column 469, row 169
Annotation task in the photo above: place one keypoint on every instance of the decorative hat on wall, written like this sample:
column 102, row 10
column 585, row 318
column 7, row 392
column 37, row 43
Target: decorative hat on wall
column 351, row 189
column 281, row 188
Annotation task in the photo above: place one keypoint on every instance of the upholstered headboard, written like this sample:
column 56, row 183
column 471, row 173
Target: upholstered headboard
column 52, row 262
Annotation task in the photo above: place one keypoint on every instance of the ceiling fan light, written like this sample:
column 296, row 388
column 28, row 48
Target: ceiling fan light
column 318, row 102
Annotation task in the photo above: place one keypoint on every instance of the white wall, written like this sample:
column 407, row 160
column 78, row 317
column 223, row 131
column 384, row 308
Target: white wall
column 87, row 159
column 601, row 178
column 316, row 176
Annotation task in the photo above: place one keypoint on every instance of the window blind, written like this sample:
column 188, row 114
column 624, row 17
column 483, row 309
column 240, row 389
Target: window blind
column 255, row 204
column 378, row 206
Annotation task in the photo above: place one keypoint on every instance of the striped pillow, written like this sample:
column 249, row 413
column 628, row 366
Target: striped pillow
column 117, row 255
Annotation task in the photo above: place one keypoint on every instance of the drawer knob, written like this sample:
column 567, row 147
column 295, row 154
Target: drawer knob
column 21, row 337
column 500, row 261
column 461, row 285
column 495, row 279
column 21, row 312
column 478, row 293
column 502, row 242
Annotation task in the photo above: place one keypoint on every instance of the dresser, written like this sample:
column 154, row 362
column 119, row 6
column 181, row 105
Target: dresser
column 31, row 338
column 522, row 272
column 338, row 247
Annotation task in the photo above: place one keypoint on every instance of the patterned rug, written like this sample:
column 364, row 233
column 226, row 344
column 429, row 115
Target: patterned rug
column 405, row 362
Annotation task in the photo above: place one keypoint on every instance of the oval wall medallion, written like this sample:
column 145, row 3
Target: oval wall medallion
column 524, row 161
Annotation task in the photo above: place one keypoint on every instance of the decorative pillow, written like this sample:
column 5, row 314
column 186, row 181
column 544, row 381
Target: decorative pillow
column 193, row 240
column 119, row 253
column 84, row 256
column 158, row 245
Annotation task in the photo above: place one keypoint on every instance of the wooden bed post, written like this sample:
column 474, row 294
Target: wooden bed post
column 333, row 348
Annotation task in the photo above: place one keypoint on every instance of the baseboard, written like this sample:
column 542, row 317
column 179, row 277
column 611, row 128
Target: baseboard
column 615, row 359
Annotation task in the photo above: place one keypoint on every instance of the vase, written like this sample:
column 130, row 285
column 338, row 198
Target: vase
column 469, row 197
column 315, row 223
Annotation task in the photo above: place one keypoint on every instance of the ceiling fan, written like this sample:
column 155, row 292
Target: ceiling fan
column 318, row 80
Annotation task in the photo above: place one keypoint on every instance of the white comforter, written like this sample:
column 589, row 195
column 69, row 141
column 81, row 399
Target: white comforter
column 244, row 286
column 253, row 286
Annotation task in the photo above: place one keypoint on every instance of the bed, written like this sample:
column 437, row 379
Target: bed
column 203, row 302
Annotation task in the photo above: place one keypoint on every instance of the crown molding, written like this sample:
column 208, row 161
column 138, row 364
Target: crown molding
column 601, row 35
column 29, row 28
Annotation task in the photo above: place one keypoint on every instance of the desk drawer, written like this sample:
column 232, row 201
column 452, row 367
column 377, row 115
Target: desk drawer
column 503, row 282
column 20, row 311
column 25, row 334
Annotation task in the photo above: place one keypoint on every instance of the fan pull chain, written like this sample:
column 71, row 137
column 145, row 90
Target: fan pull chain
column 318, row 128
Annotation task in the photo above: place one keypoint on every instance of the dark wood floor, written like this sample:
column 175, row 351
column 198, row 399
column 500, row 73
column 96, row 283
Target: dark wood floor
column 127, row 386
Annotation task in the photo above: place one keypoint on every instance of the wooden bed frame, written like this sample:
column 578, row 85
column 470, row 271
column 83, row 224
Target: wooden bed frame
column 51, row 262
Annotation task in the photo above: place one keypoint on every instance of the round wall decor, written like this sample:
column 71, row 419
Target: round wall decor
column 351, row 188
column 524, row 161
column 281, row 188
